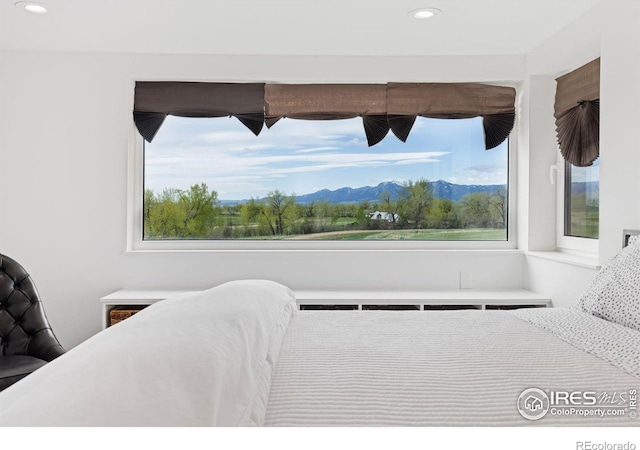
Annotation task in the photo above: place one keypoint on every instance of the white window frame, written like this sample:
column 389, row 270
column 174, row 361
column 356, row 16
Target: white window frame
column 136, row 243
column 587, row 247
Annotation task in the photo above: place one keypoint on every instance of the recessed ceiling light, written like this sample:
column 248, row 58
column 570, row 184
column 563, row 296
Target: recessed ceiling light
column 424, row 13
column 32, row 7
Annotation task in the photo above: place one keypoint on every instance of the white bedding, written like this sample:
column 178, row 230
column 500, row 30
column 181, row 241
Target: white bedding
column 201, row 359
column 438, row 368
column 239, row 355
column 609, row 341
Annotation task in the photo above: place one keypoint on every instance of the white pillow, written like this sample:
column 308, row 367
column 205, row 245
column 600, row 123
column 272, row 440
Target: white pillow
column 614, row 294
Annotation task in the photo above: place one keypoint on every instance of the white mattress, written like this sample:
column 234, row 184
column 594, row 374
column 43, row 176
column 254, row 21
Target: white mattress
column 465, row 368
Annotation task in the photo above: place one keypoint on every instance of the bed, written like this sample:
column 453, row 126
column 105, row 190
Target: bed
column 242, row 354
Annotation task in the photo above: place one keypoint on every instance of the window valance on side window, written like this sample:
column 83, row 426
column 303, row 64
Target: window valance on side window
column 495, row 104
column 577, row 113
column 383, row 107
column 330, row 102
column 155, row 100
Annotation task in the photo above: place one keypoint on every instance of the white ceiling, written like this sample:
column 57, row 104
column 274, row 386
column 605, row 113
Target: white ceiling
column 287, row 27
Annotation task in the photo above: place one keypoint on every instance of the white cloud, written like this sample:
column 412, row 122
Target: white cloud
column 224, row 164
column 417, row 160
column 289, row 134
column 485, row 168
column 481, row 174
column 233, row 172
column 316, row 149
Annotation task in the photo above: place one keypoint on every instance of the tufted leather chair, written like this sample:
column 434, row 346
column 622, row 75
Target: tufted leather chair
column 26, row 339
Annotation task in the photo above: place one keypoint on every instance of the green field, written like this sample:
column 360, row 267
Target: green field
column 585, row 218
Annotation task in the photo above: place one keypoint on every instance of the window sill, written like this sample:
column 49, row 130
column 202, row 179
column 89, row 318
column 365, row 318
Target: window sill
column 568, row 258
column 169, row 246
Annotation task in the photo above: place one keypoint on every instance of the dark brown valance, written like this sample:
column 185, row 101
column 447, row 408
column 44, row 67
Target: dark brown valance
column 330, row 102
column 449, row 100
column 577, row 113
column 154, row 100
column 383, row 107
column 496, row 104
column 339, row 101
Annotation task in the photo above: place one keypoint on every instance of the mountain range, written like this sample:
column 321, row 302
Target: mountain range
column 441, row 189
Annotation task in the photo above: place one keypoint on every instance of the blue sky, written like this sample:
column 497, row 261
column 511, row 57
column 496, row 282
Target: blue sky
column 301, row 156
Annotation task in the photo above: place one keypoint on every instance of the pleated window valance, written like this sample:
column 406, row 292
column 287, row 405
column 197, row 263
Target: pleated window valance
column 383, row 107
column 155, row 100
column 330, row 102
column 495, row 104
column 577, row 113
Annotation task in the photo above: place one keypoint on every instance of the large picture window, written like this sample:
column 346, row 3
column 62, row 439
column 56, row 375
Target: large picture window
column 210, row 179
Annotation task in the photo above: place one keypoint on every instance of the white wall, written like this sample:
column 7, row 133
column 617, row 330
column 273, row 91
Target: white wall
column 561, row 281
column 65, row 123
column 620, row 125
column 611, row 31
column 542, row 155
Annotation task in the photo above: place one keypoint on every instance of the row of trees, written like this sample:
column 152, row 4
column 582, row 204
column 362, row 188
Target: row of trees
column 197, row 213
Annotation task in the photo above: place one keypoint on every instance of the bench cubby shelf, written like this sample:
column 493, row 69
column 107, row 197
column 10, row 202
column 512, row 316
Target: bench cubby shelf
column 423, row 300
